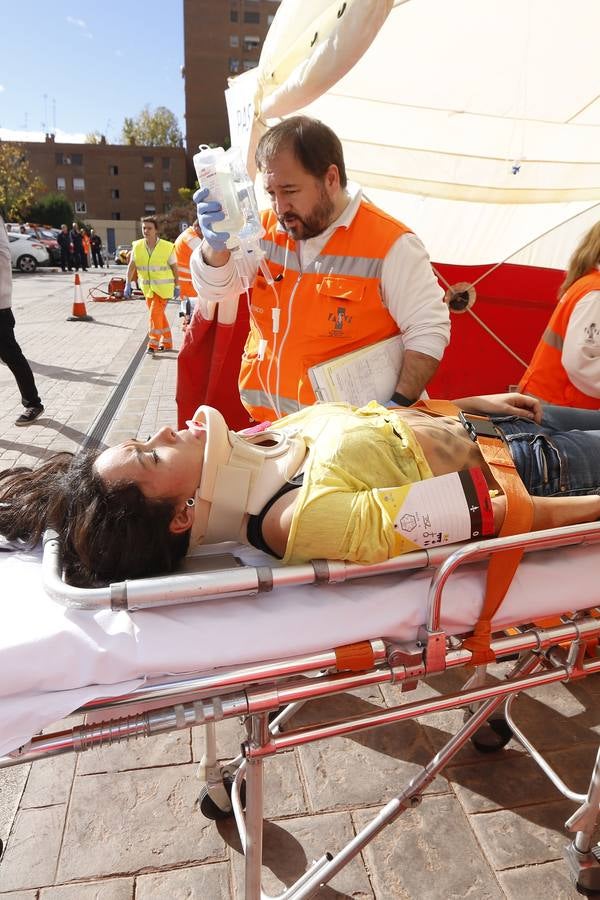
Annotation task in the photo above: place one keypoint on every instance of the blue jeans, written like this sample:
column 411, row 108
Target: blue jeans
column 560, row 457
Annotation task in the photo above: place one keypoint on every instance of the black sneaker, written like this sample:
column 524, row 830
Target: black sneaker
column 151, row 350
column 30, row 415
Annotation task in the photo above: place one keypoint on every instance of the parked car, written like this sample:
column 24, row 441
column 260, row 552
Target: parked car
column 27, row 252
column 45, row 235
column 122, row 254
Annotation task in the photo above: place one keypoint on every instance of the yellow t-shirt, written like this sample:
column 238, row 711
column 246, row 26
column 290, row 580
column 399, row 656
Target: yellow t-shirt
column 352, row 452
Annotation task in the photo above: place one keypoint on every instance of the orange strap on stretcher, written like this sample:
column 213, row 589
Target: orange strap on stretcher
column 358, row 657
column 518, row 520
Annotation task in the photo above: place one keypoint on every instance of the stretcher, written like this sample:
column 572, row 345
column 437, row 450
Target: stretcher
column 236, row 635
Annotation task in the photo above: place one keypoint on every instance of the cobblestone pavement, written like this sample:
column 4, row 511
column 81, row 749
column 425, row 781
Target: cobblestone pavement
column 123, row 822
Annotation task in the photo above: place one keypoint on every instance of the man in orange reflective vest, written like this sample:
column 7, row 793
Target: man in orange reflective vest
column 185, row 244
column 346, row 275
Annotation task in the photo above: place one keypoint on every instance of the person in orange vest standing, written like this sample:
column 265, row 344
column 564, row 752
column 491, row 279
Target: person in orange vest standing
column 153, row 262
column 185, row 243
column 565, row 367
column 344, row 275
column 87, row 245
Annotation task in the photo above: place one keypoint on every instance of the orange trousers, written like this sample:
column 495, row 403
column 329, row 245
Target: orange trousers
column 159, row 331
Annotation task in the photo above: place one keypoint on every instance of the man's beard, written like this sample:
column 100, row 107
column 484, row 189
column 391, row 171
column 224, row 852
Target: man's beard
column 315, row 223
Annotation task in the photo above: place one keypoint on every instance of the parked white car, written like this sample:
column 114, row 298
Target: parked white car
column 26, row 252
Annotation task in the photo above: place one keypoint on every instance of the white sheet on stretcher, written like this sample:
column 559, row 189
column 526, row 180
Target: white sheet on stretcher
column 53, row 660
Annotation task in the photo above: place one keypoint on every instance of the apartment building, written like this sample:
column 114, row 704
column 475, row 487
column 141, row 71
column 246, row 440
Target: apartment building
column 111, row 183
column 221, row 39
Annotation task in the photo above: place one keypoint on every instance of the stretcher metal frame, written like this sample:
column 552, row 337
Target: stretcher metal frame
column 547, row 654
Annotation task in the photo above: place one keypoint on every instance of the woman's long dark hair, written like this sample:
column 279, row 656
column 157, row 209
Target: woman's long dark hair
column 107, row 532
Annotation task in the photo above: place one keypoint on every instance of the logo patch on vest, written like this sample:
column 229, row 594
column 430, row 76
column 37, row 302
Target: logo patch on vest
column 339, row 318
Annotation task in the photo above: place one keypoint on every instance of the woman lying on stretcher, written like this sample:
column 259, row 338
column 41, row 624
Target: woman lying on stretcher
column 328, row 482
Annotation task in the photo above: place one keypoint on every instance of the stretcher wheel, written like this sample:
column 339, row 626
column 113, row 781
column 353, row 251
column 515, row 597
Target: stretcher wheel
column 492, row 736
column 212, row 810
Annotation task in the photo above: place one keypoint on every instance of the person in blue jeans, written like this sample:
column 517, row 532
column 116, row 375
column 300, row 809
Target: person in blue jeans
column 558, row 456
column 130, row 511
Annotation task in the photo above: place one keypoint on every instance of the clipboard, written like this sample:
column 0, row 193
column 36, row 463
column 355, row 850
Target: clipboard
column 369, row 373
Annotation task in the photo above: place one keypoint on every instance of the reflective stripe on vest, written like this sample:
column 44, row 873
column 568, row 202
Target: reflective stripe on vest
column 261, row 400
column 553, row 339
column 326, row 309
column 154, row 272
column 360, row 267
column 545, row 376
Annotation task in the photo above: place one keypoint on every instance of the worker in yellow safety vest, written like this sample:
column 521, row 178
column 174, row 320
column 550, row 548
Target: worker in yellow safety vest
column 565, row 367
column 154, row 264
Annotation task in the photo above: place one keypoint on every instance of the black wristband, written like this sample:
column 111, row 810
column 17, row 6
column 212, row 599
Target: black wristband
column 400, row 399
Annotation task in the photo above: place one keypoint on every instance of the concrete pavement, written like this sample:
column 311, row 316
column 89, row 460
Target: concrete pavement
column 123, row 823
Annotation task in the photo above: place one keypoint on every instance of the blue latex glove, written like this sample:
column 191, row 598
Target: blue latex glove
column 209, row 212
column 127, row 291
column 176, row 292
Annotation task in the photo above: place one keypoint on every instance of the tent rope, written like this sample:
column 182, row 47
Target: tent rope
column 493, row 268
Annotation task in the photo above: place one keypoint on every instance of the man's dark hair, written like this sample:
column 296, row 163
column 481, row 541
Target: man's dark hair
column 149, row 219
column 314, row 144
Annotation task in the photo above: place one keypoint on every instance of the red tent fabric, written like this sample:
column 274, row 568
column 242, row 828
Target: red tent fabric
column 515, row 303
column 208, row 366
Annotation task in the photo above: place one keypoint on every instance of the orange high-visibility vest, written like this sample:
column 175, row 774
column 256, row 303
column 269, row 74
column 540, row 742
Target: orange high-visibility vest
column 185, row 244
column 546, row 377
column 331, row 307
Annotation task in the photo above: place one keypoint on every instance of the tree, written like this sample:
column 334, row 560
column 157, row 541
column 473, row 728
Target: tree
column 52, row 209
column 153, row 129
column 169, row 224
column 19, row 186
column 186, row 194
column 95, row 137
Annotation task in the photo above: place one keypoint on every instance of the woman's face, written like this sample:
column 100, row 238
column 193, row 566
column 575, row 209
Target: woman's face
column 165, row 467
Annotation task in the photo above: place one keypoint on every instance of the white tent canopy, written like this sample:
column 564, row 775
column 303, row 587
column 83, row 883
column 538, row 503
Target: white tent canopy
column 477, row 123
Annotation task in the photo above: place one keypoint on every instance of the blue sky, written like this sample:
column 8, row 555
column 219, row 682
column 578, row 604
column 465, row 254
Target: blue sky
column 74, row 72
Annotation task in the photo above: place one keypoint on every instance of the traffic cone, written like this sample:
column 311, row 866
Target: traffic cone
column 79, row 313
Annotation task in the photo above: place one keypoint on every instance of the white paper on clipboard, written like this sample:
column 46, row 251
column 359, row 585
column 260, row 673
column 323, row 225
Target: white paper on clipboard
column 370, row 373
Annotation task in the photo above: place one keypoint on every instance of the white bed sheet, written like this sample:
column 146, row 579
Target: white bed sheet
column 53, row 660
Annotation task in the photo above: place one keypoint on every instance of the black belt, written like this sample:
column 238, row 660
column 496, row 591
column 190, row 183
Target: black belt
column 479, row 426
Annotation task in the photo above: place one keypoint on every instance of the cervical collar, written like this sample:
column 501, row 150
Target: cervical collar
column 239, row 475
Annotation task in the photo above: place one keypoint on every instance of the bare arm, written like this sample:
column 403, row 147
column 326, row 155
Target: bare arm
column 131, row 270
column 173, row 266
column 417, row 369
column 512, row 404
column 411, row 293
column 553, row 512
column 214, row 258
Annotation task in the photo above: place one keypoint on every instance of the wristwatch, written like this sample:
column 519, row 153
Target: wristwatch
column 400, row 399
